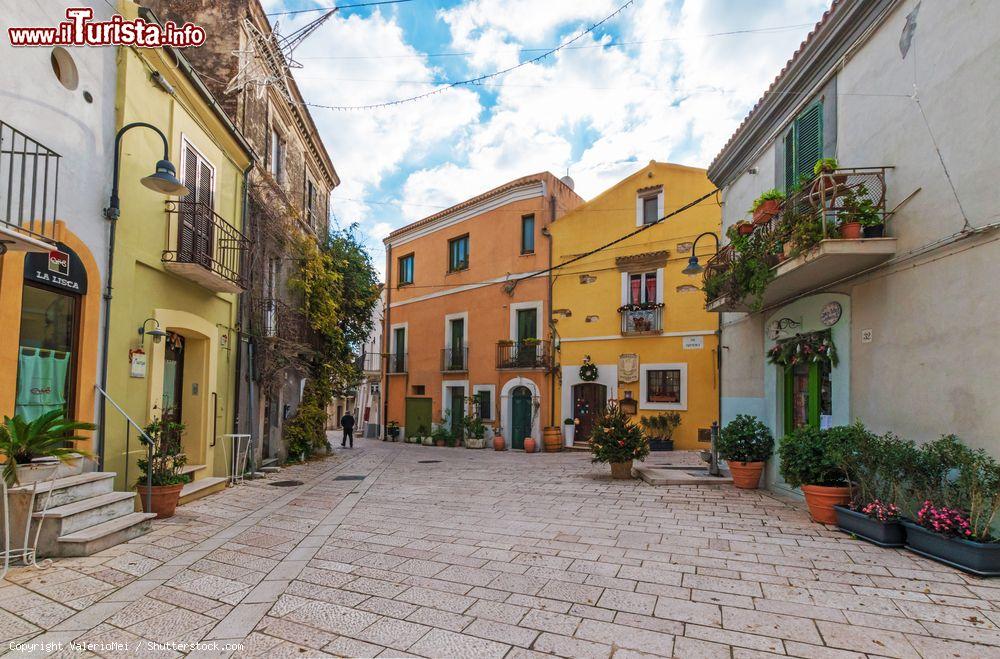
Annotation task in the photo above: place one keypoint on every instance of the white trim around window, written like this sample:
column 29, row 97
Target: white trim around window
column 641, row 197
column 446, row 395
column 644, row 403
column 491, row 389
column 463, row 316
column 518, row 306
column 392, row 336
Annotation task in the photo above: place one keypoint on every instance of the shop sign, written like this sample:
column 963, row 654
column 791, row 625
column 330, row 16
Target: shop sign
column 61, row 268
column 137, row 363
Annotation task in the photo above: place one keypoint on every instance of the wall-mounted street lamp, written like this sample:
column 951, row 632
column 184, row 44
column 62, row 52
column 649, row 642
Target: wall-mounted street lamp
column 162, row 180
column 693, row 267
column 157, row 333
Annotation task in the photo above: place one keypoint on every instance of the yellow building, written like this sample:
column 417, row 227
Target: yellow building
column 177, row 267
column 631, row 312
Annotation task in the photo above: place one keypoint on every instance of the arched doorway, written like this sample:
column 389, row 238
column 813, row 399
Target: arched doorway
column 589, row 400
column 520, row 416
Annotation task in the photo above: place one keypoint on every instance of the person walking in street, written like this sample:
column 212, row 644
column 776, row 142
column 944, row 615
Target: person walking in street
column 347, row 423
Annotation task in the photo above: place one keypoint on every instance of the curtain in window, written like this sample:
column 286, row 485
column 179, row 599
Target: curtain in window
column 41, row 382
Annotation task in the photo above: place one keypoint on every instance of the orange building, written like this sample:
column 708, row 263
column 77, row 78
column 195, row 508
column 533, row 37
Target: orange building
column 451, row 276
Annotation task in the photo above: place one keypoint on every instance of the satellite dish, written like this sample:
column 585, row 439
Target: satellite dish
column 568, row 181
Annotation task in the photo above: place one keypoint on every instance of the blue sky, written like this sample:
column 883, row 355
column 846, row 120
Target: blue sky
column 674, row 92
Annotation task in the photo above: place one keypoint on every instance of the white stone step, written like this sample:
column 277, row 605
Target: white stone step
column 72, row 517
column 190, row 469
column 202, row 487
column 270, row 470
column 101, row 536
column 67, row 490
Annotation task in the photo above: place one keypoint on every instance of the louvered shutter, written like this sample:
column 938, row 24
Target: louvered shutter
column 204, row 228
column 808, row 139
column 186, row 230
column 789, row 160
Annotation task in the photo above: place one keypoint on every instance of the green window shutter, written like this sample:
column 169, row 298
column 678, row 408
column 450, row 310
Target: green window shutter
column 808, row 139
column 789, row 160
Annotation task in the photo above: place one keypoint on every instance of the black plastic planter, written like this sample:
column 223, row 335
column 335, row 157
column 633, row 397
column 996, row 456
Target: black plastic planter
column 979, row 558
column 661, row 445
column 883, row 534
column 876, row 231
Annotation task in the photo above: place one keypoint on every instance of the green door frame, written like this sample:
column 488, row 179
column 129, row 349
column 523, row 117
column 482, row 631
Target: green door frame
column 813, row 413
column 520, row 405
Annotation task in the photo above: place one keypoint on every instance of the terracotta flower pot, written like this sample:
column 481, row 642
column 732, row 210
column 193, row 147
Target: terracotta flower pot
column 766, row 211
column 163, row 500
column 621, row 470
column 529, row 445
column 499, row 444
column 746, row 475
column 744, row 228
column 850, row 230
column 438, row 442
column 552, row 439
column 822, row 498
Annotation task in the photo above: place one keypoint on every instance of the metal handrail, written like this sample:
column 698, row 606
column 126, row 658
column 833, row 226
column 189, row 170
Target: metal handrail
column 143, row 437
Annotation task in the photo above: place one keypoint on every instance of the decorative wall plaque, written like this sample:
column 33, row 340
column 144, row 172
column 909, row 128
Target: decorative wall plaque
column 628, row 368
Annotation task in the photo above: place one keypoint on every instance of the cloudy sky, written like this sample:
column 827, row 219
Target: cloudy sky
column 665, row 79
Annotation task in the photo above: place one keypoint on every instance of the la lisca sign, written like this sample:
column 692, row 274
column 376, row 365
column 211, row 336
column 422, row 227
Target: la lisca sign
column 60, row 268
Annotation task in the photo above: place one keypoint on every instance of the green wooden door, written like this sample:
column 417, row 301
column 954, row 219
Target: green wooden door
column 527, row 324
column 808, row 395
column 457, row 409
column 520, row 416
column 418, row 417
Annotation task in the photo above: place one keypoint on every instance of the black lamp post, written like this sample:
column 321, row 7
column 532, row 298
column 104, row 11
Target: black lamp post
column 693, row 267
column 163, row 180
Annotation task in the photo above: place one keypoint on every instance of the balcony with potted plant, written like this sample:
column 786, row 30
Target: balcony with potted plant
column 830, row 227
column 641, row 318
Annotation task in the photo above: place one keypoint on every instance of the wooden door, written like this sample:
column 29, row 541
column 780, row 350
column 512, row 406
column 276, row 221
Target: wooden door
column 457, row 409
column 418, row 417
column 520, row 416
column 589, row 400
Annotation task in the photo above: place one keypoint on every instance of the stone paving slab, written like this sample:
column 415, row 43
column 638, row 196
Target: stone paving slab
column 489, row 554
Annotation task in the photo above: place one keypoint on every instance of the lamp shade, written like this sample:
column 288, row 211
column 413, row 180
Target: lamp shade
column 157, row 334
column 693, row 267
column 164, row 180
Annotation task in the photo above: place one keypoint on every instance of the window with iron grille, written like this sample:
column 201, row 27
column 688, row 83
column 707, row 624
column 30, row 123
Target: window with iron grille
column 663, row 386
column 458, row 253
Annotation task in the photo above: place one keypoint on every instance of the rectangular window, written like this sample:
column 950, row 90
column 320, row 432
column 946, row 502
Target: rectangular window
column 419, row 389
column 398, row 362
column 663, row 386
column 803, row 144
column 406, row 269
column 45, row 358
column 277, row 156
column 650, row 209
column 528, row 234
column 310, row 202
column 642, row 288
column 196, row 230
column 458, row 254
column 484, row 405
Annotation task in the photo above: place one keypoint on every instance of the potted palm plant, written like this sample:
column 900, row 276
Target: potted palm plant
column 618, row 441
column 160, row 480
column 33, row 450
column 810, row 459
column 660, row 430
column 745, row 444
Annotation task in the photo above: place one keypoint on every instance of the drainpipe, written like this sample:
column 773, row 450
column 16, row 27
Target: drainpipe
column 240, row 307
column 552, row 333
column 383, row 358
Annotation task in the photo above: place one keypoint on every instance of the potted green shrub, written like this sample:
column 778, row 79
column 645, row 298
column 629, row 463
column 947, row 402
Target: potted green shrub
column 960, row 490
column 616, row 440
column 825, row 178
column 767, row 205
column 569, row 431
column 160, row 479
column 660, row 430
column 878, row 467
column 440, row 435
column 745, row 444
column 33, row 450
column 810, row 460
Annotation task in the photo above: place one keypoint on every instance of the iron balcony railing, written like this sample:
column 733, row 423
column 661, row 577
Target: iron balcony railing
column 396, row 363
column 205, row 238
column 29, row 184
column 369, row 362
column 526, row 354
column 455, row 360
column 642, row 320
column 276, row 319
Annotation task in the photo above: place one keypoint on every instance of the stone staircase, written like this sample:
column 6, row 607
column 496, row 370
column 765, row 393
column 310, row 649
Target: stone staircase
column 84, row 515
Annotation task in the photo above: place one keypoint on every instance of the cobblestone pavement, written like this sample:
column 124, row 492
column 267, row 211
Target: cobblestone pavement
column 458, row 553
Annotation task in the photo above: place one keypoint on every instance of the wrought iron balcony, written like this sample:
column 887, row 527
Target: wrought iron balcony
column 369, row 362
column 396, row 363
column 526, row 354
column 455, row 360
column 642, row 320
column 29, row 190
column 810, row 241
column 278, row 320
column 205, row 248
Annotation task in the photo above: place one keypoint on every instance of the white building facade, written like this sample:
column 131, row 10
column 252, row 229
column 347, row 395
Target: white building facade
column 904, row 96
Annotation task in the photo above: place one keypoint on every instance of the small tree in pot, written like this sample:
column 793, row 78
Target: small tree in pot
column 163, row 471
column 746, row 444
column 811, row 459
column 615, row 439
column 22, row 442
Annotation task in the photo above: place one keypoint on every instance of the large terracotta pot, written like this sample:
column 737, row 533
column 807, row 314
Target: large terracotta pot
column 163, row 500
column 821, row 499
column 529, row 445
column 766, row 211
column 621, row 470
column 552, row 439
column 499, row 444
column 746, row 475
column 850, row 230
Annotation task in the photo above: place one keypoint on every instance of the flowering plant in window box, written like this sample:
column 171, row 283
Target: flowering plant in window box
column 640, row 306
